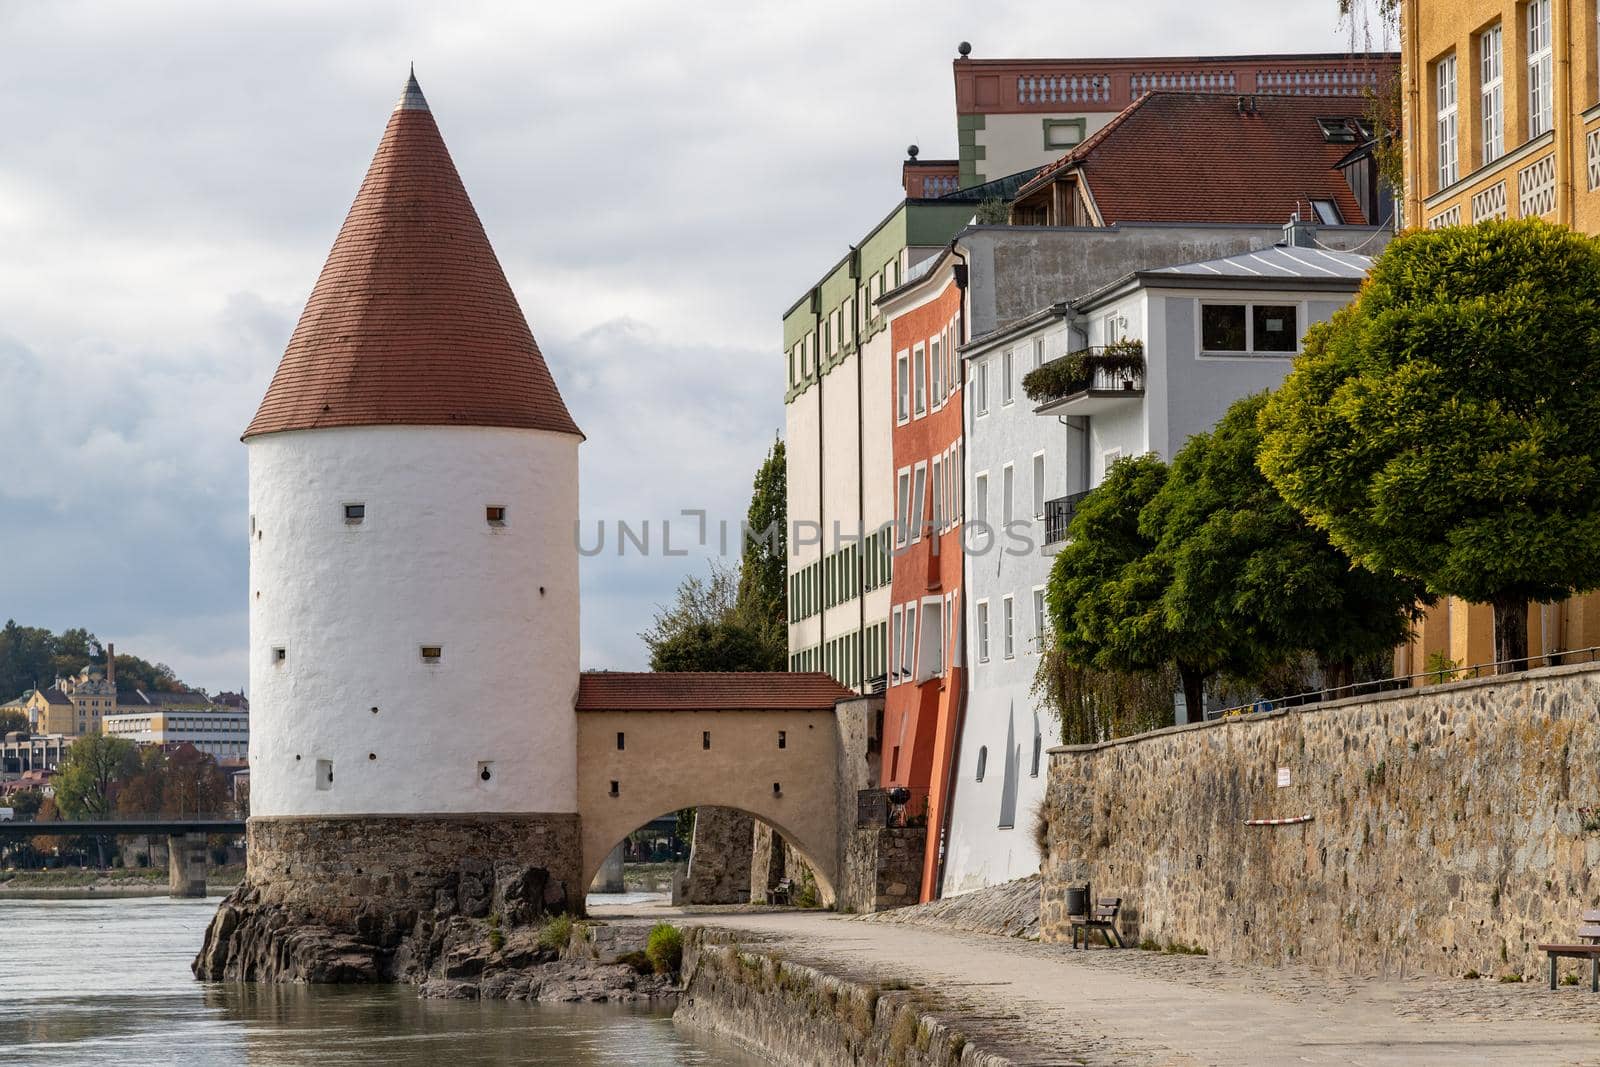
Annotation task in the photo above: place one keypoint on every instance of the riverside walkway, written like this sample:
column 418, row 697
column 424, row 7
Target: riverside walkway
column 1135, row 1007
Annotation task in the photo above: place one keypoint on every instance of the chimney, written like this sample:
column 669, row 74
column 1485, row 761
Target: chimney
column 1298, row 233
column 111, row 666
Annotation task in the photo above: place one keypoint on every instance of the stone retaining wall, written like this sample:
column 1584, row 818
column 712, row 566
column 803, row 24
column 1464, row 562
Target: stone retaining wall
column 791, row 1013
column 1447, row 828
column 882, row 867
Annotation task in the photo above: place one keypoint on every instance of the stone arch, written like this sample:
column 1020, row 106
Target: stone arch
column 601, row 836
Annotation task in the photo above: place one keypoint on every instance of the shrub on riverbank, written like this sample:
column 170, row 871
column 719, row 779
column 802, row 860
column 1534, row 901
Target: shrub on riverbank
column 556, row 932
column 665, row 948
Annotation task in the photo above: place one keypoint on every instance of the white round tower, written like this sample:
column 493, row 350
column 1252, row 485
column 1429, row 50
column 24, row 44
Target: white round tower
column 413, row 573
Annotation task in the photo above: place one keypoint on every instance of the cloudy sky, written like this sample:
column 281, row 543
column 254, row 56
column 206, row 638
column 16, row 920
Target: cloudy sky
column 659, row 180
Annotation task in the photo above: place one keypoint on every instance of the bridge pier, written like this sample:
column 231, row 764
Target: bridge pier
column 609, row 880
column 186, row 865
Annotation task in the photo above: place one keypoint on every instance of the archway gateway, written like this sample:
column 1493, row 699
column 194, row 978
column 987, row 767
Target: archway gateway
column 770, row 745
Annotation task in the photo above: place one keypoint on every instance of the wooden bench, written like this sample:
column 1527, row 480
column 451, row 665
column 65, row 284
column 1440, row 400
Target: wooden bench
column 1588, row 948
column 782, row 893
column 1103, row 917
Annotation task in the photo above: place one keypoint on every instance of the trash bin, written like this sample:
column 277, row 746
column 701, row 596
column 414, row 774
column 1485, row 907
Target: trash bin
column 1078, row 899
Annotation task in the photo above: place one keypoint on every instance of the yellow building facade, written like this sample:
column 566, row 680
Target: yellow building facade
column 1501, row 102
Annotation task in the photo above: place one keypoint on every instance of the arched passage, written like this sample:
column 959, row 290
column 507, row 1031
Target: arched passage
column 599, row 842
column 766, row 745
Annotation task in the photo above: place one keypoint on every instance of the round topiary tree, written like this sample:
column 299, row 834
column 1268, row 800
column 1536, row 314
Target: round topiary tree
column 1446, row 425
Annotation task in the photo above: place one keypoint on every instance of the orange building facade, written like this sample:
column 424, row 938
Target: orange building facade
column 923, row 701
column 1502, row 120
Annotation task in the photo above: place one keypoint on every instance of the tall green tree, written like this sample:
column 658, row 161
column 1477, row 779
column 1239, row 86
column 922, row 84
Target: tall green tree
column 12, row 720
column 1446, row 425
column 1105, row 588
column 763, row 570
column 1252, row 575
column 87, row 779
column 734, row 620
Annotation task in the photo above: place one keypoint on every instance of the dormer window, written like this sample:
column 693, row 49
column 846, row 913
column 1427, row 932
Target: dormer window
column 355, row 514
column 496, row 514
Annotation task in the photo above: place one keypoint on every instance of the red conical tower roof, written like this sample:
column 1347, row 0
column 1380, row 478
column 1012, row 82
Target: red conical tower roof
column 412, row 322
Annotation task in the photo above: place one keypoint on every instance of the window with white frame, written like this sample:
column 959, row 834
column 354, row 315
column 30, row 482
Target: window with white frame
column 1444, row 110
column 1040, row 619
column 919, row 376
column 1008, row 627
column 980, row 388
column 896, row 637
column 1108, row 459
column 833, row 332
column 938, row 492
column 908, row 642
column 936, row 360
column 1038, row 485
column 902, row 515
column 919, row 500
column 930, row 649
column 980, row 497
column 1491, row 94
column 1540, row 82
column 1008, row 480
column 1038, row 353
column 1241, row 329
column 983, row 631
column 847, row 318
column 1007, row 377
column 902, row 378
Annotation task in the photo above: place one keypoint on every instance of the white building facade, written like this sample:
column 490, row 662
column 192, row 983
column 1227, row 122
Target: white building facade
column 1212, row 332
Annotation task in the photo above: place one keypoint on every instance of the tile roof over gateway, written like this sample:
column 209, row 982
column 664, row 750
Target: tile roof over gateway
column 1203, row 157
column 708, row 691
column 412, row 321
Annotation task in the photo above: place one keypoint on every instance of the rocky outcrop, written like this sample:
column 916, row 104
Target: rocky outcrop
column 370, row 899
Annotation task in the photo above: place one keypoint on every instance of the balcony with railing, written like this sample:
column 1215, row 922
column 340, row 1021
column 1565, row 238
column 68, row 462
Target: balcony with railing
column 1088, row 381
column 1058, row 515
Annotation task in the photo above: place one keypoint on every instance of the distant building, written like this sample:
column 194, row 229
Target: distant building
column 76, row 705
column 30, row 755
column 1015, row 114
column 172, row 719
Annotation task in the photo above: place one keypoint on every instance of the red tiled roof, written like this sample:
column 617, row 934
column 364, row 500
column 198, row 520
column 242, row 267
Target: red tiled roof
column 412, row 321
column 1196, row 157
column 708, row 691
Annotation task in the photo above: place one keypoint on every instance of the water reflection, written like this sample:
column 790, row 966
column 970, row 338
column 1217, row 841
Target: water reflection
column 107, row 981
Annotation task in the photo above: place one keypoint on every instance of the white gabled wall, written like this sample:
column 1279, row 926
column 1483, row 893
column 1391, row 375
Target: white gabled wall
column 352, row 606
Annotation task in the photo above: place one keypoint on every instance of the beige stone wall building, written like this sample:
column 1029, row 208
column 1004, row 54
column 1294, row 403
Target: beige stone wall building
column 1502, row 120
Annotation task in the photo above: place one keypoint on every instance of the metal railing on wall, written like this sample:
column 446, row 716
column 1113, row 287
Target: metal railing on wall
column 1439, row 675
column 894, row 806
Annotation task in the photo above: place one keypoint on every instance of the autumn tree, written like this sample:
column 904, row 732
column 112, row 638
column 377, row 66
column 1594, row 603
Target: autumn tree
column 1442, row 427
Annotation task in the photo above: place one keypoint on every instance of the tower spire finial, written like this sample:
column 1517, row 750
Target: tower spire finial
column 411, row 98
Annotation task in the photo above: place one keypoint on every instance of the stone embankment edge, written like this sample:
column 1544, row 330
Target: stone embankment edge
column 795, row 1014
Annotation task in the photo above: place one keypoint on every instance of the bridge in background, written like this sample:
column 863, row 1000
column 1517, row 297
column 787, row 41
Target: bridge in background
column 186, row 839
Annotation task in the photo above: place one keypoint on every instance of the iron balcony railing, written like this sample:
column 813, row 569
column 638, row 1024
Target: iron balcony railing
column 1058, row 515
column 1104, row 369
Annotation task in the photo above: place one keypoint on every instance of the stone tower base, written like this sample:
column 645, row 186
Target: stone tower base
column 363, row 898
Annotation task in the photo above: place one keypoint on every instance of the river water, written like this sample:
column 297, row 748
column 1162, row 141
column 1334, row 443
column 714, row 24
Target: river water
column 106, row 981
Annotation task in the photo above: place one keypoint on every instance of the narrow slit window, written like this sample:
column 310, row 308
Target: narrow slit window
column 280, row 655
column 783, row 739
column 324, row 774
column 705, row 739
column 616, row 788
column 620, row 745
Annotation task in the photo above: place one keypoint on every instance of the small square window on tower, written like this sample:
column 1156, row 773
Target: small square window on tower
column 355, row 514
column 496, row 514
column 432, row 653
column 280, row 654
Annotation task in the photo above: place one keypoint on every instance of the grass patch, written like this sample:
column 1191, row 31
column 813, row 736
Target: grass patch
column 1472, row 974
column 1510, row 979
column 665, row 948
column 556, row 932
column 1571, row 979
column 638, row 961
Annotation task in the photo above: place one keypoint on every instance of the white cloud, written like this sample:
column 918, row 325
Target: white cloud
column 660, row 181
